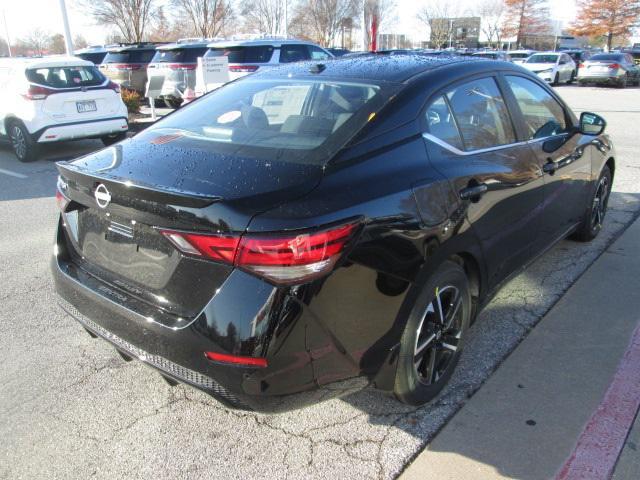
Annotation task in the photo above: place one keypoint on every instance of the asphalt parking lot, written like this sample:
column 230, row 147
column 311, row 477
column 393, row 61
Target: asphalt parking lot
column 72, row 408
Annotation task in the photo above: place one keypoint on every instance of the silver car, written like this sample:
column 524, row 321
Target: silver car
column 610, row 68
column 176, row 63
column 248, row 56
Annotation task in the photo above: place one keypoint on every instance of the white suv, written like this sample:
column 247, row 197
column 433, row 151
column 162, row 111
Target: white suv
column 54, row 99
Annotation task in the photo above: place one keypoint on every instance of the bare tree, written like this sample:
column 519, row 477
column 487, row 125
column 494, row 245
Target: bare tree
column 322, row 20
column 37, row 41
column 207, row 17
column 491, row 13
column 436, row 15
column 385, row 13
column 131, row 17
column 80, row 42
column 264, row 16
column 57, row 44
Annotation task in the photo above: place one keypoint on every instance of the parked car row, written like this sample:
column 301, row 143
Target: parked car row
column 130, row 65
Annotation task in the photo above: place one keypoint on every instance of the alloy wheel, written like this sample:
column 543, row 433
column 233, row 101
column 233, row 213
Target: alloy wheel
column 599, row 206
column 18, row 141
column 439, row 335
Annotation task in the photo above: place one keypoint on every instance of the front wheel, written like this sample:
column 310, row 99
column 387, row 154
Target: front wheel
column 23, row 145
column 433, row 337
column 556, row 80
column 572, row 78
column 596, row 209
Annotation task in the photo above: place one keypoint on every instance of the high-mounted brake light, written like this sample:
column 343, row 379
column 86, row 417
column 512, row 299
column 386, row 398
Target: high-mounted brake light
column 282, row 259
column 238, row 360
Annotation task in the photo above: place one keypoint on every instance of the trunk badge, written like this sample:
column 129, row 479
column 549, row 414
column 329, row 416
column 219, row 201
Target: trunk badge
column 102, row 196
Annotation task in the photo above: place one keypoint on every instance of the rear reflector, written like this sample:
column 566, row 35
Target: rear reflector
column 236, row 360
column 61, row 200
column 243, row 68
column 282, row 259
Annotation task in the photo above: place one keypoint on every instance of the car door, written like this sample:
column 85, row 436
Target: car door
column 561, row 154
column 564, row 67
column 471, row 140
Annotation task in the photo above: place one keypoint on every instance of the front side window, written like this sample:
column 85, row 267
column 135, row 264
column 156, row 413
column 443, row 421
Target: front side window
column 542, row 58
column 481, row 114
column 543, row 115
column 317, row 53
column 293, row 53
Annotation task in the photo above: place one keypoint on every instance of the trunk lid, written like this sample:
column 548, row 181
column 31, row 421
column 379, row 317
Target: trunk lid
column 159, row 181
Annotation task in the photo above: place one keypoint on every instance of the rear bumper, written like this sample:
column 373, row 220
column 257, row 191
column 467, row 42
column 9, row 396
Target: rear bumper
column 76, row 130
column 178, row 352
column 600, row 78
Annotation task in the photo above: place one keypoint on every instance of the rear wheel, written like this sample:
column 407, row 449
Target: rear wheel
column 596, row 209
column 109, row 140
column 25, row 148
column 433, row 338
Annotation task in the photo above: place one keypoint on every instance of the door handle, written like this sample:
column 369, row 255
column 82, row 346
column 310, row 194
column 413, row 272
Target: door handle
column 474, row 192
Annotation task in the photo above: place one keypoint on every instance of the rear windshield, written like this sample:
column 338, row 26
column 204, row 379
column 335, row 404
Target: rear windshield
column 180, row 55
column 542, row 59
column 519, row 55
column 256, row 54
column 129, row 56
column 302, row 121
column 608, row 57
column 66, row 77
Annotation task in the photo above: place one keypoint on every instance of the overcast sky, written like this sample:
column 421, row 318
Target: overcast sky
column 24, row 15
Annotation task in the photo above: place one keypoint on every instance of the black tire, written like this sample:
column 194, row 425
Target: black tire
column 24, row 147
column 622, row 83
column 596, row 208
column 556, row 80
column 172, row 103
column 582, row 84
column 423, row 372
column 109, row 140
column 572, row 78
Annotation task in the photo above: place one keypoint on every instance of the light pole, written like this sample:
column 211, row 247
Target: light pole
column 6, row 32
column 67, row 33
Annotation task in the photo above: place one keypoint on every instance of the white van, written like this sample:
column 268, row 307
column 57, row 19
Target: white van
column 57, row 98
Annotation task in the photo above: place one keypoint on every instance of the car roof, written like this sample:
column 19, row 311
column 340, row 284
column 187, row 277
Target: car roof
column 275, row 42
column 134, row 46
column 377, row 68
column 91, row 49
column 50, row 61
column 179, row 45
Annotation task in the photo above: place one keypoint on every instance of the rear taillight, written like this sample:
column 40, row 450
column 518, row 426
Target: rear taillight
column 61, row 200
column 37, row 92
column 615, row 66
column 182, row 66
column 113, row 86
column 581, row 65
column 243, row 68
column 128, row 66
column 282, row 259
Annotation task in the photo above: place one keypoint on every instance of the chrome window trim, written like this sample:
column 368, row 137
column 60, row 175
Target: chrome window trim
column 462, row 153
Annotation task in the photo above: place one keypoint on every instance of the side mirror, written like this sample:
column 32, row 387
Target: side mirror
column 592, row 124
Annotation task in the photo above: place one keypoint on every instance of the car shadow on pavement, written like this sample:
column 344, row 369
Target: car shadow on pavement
column 500, row 327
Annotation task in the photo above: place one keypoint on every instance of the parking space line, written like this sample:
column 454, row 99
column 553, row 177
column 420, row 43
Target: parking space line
column 12, row 174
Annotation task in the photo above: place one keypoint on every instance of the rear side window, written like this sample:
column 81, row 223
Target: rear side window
column 441, row 123
column 481, row 114
column 129, row 56
column 180, row 55
column 65, row 77
column 543, row 115
column 293, row 53
column 256, row 54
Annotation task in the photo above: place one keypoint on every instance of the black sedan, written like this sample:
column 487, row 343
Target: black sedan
column 316, row 228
